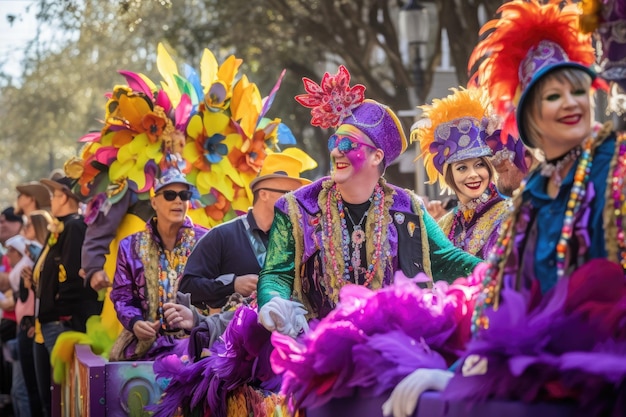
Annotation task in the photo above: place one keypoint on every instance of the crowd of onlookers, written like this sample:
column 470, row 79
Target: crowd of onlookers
column 41, row 291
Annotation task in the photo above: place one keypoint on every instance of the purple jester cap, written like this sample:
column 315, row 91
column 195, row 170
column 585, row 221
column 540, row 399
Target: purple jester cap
column 458, row 140
column 540, row 60
column 381, row 125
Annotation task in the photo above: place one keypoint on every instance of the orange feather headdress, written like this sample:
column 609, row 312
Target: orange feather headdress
column 529, row 40
column 453, row 129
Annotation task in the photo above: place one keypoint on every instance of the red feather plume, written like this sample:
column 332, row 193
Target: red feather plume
column 507, row 40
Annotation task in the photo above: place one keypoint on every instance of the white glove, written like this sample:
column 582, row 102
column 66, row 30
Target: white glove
column 284, row 316
column 406, row 394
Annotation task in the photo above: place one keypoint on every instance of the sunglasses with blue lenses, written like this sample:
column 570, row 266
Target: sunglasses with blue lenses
column 345, row 144
column 170, row 195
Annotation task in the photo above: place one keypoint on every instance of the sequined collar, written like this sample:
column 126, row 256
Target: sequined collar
column 469, row 209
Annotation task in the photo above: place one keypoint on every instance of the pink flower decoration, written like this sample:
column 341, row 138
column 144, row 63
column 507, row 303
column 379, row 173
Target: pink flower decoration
column 333, row 99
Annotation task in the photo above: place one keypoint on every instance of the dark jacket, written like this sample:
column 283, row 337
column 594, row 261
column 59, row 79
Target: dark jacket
column 61, row 291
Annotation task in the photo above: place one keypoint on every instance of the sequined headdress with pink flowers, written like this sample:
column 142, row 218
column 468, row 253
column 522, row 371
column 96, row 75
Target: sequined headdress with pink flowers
column 334, row 103
column 454, row 129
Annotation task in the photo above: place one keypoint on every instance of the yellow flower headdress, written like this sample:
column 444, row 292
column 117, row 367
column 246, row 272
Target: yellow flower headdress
column 210, row 125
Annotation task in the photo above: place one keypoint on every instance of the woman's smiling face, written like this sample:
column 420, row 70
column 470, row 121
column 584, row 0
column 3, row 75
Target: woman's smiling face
column 562, row 116
column 471, row 178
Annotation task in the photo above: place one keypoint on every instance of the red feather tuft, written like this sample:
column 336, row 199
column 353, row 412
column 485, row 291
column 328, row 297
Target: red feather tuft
column 506, row 41
column 509, row 127
column 599, row 84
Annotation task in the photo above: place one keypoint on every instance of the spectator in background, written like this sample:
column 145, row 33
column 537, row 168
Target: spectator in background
column 35, row 227
column 32, row 196
column 36, row 230
column 10, row 225
column 19, row 258
column 64, row 302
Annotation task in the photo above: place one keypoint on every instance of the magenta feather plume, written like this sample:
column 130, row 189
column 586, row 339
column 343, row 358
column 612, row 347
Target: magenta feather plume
column 91, row 137
column 136, row 83
column 183, row 112
column 382, row 362
column 239, row 357
column 163, row 100
column 377, row 338
column 181, row 375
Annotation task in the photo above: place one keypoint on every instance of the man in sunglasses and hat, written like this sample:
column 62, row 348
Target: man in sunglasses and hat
column 150, row 264
column 229, row 258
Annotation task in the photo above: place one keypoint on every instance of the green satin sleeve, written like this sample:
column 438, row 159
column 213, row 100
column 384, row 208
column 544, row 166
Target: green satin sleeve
column 277, row 276
column 447, row 261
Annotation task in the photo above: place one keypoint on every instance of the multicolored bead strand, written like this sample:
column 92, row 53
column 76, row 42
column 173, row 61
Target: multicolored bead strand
column 619, row 200
column 577, row 195
column 493, row 276
column 171, row 267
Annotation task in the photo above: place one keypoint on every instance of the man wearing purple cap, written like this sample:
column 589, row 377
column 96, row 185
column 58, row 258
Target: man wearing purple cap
column 149, row 265
column 353, row 227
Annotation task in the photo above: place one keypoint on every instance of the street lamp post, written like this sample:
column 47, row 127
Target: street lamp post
column 414, row 31
column 414, row 26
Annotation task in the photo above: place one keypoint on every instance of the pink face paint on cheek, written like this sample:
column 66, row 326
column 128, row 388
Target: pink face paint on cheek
column 356, row 158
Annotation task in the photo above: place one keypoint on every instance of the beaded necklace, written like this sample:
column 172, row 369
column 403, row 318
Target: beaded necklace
column 378, row 201
column 492, row 282
column 357, row 237
column 555, row 165
column 169, row 268
column 576, row 196
column 614, row 219
column 467, row 211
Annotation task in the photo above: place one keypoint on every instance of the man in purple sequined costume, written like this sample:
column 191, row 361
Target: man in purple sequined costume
column 149, row 266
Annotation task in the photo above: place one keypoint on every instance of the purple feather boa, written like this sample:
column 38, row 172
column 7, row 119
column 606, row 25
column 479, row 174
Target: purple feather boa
column 568, row 345
column 373, row 339
column 239, row 357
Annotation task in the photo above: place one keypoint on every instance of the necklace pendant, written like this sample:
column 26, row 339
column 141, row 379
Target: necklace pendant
column 358, row 236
